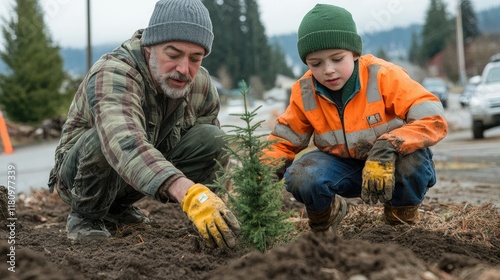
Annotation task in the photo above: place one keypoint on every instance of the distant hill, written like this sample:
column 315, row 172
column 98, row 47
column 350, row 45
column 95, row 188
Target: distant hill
column 488, row 21
column 75, row 59
column 395, row 42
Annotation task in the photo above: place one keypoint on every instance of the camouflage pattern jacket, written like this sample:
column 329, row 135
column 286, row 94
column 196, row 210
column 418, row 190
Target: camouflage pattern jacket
column 133, row 119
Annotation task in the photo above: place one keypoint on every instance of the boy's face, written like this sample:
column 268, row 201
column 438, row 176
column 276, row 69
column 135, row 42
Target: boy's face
column 331, row 67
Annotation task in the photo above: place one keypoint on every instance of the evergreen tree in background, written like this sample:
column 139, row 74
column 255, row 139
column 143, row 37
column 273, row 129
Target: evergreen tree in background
column 414, row 49
column 30, row 90
column 257, row 56
column 255, row 196
column 382, row 54
column 241, row 50
column 436, row 31
column 469, row 20
column 278, row 64
column 224, row 61
column 470, row 31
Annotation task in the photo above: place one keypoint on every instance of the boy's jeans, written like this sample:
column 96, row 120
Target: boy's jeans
column 316, row 177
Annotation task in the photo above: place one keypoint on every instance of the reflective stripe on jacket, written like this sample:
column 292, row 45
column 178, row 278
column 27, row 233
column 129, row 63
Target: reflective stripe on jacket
column 389, row 105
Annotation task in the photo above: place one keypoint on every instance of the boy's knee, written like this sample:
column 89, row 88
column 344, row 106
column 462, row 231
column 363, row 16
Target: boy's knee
column 300, row 180
column 415, row 164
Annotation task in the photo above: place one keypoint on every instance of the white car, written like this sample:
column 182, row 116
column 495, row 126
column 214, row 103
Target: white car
column 276, row 94
column 484, row 104
column 469, row 90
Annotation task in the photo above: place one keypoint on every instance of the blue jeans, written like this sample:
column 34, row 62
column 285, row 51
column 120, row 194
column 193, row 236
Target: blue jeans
column 316, row 177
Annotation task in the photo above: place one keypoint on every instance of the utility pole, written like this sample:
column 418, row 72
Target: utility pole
column 460, row 46
column 89, row 44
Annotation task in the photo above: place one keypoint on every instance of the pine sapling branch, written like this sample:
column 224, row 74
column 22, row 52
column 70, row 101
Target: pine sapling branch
column 255, row 195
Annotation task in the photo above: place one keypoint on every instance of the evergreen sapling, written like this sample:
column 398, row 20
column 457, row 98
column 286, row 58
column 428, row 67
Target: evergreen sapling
column 255, row 195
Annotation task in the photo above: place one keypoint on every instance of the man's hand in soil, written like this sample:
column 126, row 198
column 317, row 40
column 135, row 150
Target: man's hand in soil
column 213, row 220
column 378, row 173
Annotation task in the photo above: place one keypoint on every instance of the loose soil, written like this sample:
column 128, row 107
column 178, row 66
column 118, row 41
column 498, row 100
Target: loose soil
column 453, row 241
column 458, row 238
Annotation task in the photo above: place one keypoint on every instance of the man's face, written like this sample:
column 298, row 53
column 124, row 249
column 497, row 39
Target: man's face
column 174, row 65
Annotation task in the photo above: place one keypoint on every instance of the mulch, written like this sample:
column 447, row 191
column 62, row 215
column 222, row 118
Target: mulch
column 453, row 241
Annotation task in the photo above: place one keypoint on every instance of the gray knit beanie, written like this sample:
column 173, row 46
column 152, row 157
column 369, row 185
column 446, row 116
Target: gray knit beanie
column 327, row 27
column 179, row 20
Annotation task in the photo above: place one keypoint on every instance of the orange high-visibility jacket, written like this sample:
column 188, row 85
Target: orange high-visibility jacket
column 389, row 105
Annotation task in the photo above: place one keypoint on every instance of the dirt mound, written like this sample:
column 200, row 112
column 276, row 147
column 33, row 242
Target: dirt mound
column 448, row 244
column 31, row 265
column 327, row 257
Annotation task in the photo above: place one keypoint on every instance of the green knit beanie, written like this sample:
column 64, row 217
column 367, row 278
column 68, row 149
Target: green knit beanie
column 327, row 27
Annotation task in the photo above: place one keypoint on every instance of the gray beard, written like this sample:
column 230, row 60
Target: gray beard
column 161, row 79
column 172, row 92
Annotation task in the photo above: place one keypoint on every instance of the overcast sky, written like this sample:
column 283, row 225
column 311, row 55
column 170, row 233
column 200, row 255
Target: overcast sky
column 113, row 21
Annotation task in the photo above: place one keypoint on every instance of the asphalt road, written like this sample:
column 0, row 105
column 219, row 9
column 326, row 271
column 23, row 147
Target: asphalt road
column 458, row 156
column 32, row 165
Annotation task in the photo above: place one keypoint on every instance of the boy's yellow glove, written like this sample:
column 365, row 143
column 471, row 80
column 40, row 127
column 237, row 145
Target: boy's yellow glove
column 213, row 220
column 378, row 173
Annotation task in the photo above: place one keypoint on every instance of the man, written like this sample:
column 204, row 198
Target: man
column 144, row 123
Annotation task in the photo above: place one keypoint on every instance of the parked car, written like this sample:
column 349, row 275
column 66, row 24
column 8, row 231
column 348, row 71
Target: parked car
column 484, row 104
column 469, row 90
column 276, row 94
column 438, row 87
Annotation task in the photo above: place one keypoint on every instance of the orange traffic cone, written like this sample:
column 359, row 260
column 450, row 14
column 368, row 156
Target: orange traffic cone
column 4, row 134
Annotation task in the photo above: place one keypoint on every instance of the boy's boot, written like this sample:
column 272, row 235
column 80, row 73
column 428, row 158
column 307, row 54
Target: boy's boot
column 331, row 217
column 395, row 215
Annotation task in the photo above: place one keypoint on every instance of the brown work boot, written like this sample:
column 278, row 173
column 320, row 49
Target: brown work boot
column 330, row 218
column 396, row 215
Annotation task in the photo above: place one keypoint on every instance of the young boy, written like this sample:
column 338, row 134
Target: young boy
column 371, row 123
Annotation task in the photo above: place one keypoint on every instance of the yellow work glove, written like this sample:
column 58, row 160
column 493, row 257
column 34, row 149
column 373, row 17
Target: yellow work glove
column 378, row 173
column 213, row 220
